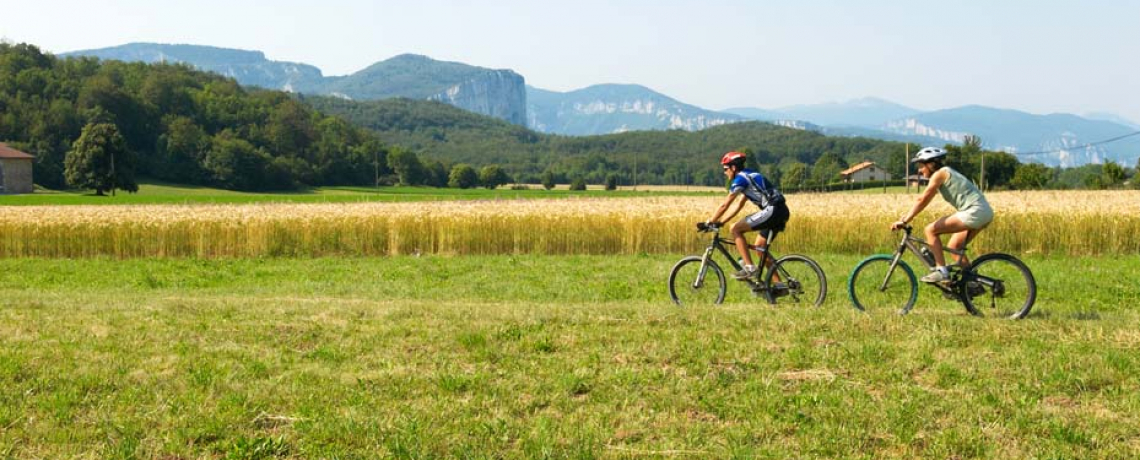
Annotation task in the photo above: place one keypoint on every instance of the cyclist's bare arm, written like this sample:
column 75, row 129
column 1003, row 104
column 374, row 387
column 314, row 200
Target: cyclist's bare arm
column 720, row 211
column 924, row 200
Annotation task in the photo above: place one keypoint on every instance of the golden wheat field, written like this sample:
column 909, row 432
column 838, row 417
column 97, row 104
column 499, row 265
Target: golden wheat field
column 1069, row 222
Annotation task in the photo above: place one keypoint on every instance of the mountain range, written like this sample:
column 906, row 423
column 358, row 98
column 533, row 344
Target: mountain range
column 1056, row 139
column 496, row 92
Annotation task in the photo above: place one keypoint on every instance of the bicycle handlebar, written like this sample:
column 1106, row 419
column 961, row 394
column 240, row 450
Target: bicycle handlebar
column 906, row 228
column 704, row 227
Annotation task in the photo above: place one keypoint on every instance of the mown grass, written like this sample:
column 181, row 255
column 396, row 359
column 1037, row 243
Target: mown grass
column 545, row 357
column 153, row 192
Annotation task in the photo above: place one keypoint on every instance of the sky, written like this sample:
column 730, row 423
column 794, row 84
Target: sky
column 1043, row 56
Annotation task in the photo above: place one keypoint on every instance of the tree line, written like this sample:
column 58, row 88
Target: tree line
column 98, row 124
column 795, row 159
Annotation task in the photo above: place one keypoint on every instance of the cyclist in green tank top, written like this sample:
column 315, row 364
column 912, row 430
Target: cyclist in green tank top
column 974, row 212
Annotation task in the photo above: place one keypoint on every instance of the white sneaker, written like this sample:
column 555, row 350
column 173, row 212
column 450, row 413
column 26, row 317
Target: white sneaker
column 744, row 273
column 936, row 276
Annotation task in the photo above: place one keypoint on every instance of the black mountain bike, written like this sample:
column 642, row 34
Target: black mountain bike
column 998, row 282
column 700, row 280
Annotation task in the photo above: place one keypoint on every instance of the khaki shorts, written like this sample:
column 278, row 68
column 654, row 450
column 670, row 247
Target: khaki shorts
column 976, row 217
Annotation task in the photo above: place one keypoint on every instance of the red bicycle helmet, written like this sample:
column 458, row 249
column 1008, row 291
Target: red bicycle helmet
column 732, row 158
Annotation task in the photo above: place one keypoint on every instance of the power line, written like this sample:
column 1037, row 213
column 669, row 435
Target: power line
column 1091, row 144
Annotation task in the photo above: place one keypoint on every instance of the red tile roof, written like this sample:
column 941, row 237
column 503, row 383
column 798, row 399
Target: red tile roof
column 858, row 167
column 9, row 152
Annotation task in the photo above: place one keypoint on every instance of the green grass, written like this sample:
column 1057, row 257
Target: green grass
column 546, row 357
column 153, row 192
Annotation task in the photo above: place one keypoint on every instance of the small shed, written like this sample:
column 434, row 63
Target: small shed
column 15, row 170
column 866, row 171
column 916, row 180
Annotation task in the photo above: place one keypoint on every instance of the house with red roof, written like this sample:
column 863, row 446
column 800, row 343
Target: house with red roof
column 866, row 171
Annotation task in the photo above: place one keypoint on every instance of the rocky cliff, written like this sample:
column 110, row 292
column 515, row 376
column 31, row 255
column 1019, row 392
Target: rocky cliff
column 498, row 93
column 610, row 108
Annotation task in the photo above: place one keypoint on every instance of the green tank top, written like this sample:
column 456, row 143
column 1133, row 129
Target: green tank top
column 960, row 192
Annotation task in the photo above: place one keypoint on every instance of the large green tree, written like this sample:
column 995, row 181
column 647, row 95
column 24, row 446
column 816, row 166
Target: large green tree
column 1112, row 174
column 463, row 176
column 1031, row 176
column 100, row 160
column 408, row 167
column 492, row 176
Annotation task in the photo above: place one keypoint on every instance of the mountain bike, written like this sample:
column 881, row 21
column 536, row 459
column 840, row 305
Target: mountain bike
column 699, row 279
column 998, row 282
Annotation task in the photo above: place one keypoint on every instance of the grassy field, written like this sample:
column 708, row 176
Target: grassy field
column 546, row 357
column 155, row 193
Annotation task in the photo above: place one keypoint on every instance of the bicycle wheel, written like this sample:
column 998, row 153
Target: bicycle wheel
column 875, row 285
column 999, row 285
column 689, row 285
column 801, row 281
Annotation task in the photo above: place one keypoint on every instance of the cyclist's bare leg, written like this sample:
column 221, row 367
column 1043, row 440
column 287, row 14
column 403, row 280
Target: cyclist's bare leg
column 959, row 241
column 738, row 231
column 948, row 224
column 762, row 242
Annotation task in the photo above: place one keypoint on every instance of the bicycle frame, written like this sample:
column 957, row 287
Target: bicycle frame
column 718, row 243
column 958, row 272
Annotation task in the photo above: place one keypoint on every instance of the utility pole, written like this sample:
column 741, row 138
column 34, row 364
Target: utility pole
column 983, row 184
column 906, row 167
column 635, row 171
column 112, row 172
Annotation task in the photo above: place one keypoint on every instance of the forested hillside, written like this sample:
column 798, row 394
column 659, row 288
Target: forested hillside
column 178, row 124
column 660, row 157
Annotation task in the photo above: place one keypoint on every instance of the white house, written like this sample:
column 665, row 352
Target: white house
column 866, row 171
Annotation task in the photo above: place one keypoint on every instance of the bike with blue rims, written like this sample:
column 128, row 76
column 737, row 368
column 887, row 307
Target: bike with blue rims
column 996, row 284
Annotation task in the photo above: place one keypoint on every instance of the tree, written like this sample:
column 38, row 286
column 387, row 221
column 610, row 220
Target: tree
column 795, row 176
column 407, row 166
column 827, row 168
column 462, row 176
column 548, row 179
column 100, row 160
column 234, row 163
column 578, row 184
column 436, row 174
column 1031, row 176
column 492, row 176
column 181, row 150
column 1112, row 174
column 611, row 182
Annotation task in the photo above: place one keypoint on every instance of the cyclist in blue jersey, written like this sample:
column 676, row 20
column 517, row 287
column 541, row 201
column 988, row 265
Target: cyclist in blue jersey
column 749, row 185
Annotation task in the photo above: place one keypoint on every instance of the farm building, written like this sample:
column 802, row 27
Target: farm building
column 15, row 170
column 866, row 171
column 916, row 180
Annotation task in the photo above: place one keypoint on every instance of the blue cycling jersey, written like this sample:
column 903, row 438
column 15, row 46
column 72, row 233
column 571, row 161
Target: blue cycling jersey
column 756, row 188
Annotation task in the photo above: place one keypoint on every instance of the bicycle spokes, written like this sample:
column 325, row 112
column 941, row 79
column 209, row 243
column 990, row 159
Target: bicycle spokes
column 1005, row 287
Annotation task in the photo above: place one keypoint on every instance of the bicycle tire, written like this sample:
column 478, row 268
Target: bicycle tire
column 1013, row 299
column 899, row 290
column 796, row 272
column 693, row 286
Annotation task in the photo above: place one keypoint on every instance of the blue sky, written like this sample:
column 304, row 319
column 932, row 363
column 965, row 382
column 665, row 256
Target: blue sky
column 1038, row 56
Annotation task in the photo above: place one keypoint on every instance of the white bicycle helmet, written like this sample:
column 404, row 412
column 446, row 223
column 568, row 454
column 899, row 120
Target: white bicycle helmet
column 928, row 154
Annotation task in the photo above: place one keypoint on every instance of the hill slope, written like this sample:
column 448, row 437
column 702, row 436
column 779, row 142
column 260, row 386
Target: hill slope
column 498, row 93
column 670, row 157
